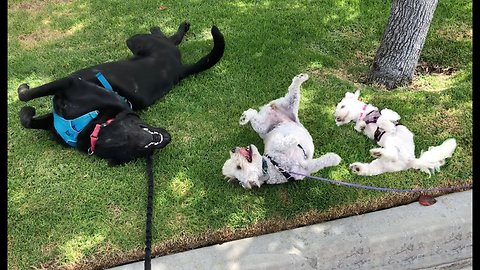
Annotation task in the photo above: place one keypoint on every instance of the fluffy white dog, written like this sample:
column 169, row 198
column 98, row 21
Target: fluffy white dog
column 288, row 145
column 397, row 151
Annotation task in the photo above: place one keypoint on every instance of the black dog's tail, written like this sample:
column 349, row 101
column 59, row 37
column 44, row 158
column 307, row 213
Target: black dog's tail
column 210, row 59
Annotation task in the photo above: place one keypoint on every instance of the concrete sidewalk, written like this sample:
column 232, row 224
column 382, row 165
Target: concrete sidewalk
column 405, row 237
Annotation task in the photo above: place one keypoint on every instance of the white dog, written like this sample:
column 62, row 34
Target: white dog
column 397, row 151
column 288, row 145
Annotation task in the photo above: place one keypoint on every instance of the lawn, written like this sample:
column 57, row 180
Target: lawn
column 70, row 210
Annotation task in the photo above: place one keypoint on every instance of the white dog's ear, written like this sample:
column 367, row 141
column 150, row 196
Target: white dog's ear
column 252, row 181
column 353, row 95
column 357, row 94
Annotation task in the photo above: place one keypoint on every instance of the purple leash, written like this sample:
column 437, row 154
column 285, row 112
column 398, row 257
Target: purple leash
column 381, row 188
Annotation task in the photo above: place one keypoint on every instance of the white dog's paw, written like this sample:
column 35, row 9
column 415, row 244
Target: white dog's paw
column 300, row 78
column 357, row 168
column 386, row 125
column 231, row 180
column 390, row 115
column 360, row 126
column 250, row 184
column 246, row 116
column 376, row 152
column 331, row 159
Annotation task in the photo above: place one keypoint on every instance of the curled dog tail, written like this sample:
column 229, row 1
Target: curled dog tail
column 210, row 59
column 431, row 160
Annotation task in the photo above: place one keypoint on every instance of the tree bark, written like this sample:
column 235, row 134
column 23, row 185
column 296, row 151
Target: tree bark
column 397, row 56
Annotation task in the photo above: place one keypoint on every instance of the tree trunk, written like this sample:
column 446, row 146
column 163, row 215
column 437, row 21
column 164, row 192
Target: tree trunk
column 397, row 57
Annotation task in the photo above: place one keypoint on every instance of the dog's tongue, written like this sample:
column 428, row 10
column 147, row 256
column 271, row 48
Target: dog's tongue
column 246, row 153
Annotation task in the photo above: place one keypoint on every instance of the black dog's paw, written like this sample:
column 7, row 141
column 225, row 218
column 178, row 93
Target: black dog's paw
column 26, row 115
column 155, row 30
column 22, row 95
column 185, row 25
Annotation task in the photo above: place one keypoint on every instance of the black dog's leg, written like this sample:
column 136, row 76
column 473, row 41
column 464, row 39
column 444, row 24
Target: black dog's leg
column 28, row 119
column 140, row 45
column 26, row 94
column 182, row 30
column 156, row 31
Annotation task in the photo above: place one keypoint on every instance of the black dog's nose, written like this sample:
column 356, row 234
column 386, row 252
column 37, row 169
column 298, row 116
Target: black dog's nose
column 157, row 137
column 233, row 150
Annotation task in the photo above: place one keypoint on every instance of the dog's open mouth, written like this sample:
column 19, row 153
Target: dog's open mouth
column 246, row 152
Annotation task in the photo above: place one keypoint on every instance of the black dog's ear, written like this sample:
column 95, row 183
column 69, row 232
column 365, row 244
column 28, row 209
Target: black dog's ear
column 140, row 45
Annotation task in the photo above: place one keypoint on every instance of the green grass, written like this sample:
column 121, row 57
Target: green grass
column 69, row 209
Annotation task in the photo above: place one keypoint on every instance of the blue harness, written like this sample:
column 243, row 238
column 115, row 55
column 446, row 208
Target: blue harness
column 69, row 129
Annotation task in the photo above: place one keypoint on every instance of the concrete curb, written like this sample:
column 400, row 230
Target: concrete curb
column 405, row 237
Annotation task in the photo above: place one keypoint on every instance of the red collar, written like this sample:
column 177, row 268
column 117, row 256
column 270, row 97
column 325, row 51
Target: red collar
column 94, row 136
column 362, row 112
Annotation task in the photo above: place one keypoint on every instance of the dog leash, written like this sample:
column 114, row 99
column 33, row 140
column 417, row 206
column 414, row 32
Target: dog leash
column 382, row 188
column 148, row 231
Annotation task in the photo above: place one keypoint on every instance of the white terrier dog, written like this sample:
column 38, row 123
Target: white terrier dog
column 397, row 151
column 288, row 145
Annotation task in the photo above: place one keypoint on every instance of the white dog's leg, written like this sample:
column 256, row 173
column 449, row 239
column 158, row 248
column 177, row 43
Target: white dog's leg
column 247, row 116
column 390, row 115
column 376, row 167
column 360, row 126
column 260, row 123
column 385, row 153
column 291, row 101
column 385, row 124
column 327, row 160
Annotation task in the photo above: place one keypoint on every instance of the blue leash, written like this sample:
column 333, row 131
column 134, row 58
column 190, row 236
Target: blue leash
column 381, row 188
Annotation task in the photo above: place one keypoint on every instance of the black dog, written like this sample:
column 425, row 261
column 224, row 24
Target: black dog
column 104, row 121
